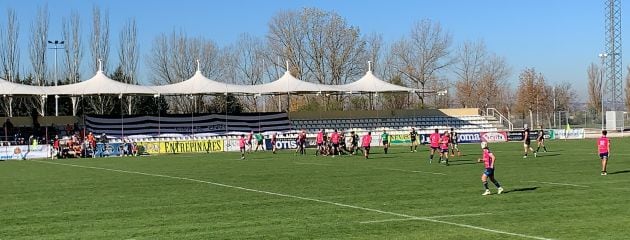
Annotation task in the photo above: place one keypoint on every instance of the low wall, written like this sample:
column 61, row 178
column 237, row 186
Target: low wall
column 45, row 121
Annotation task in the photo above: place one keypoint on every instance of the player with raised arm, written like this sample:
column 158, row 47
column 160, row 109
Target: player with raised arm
column 444, row 142
column 453, row 143
column 603, row 147
column 540, row 141
column 489, row 159
column 385, row 140
column 434, row 143
column 527, row 142
column 413, row 136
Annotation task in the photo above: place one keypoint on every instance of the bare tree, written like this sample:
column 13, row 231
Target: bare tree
column 471, row 58
column 173, row 58
column 128, row 56
column 493, row 83
column 594, row 88
column 423, row 55
column 99, row 50
column 9, row 55
column 37, row 47
column 532, row 93
column 248, row 56
column 71, row 30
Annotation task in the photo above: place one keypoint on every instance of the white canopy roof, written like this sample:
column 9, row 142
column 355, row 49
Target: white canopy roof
column 371, row 83
column 99, row 84
column 199, row 84
column 289, row 84
column 9, row 88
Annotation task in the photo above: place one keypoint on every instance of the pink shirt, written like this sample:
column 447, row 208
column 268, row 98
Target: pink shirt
column 602, row 144
column 434, row 139
column 334, row 138
column 487, row 160
column 445, row 140
column 366, row 140
column 320, row 137
column 241, row 142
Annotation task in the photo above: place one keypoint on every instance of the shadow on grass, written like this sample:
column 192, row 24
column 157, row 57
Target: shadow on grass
column 547, row 154
column 461, row 163
column 618, row 172
column 521, row 189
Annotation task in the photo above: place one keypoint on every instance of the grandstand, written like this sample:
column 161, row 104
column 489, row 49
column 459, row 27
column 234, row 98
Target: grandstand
column 464, row 120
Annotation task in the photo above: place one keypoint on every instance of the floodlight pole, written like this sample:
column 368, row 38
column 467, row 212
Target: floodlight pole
column 56, row 47
column 602, row 84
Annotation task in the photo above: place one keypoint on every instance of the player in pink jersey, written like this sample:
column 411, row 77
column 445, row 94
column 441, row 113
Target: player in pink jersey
column 365, row 142
column 320, row 142
column 434, row 143
column 274, row 139
column 334, row 140
column 488, row 161
column 241, row 145
column 444, row 141
column 249, row 141
column 603, row 147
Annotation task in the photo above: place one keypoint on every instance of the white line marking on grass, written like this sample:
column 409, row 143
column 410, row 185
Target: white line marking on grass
column 318, row 164
column 561, row 184
column 413, row 171
column 431, row 217
column 302, row 198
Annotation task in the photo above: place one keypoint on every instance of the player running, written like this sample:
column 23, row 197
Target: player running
column 488, row 160
column 454, row 143
column 385, row 140
column 413, row 136
column 365, row 142
column 540, row 141
column 241, row 144
column 354, row 143
column 434, row 143
column 301, row 142
column 527, row 142
column 603, row 146
column 446, row 139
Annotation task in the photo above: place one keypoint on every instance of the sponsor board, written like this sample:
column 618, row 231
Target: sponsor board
column 570, row 134
column 515, row 136
column 468, row 138
column 197, row 146
column 18, row 152
column 493, row 136
column 405, row 139
column 286, row 143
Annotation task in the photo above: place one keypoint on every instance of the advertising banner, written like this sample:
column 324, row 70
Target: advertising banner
column 468, row 138
column 109, row 149
column 570, row 134
column 285, row 143
column 493, row 136
column 192, row 146
column 18, row 152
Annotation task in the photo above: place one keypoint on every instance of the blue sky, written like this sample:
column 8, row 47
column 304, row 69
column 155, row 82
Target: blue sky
column 559, row 38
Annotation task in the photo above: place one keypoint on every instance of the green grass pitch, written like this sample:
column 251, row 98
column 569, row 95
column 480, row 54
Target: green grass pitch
column 558, row 195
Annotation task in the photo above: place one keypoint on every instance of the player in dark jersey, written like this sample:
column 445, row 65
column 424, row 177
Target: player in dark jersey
column 453, row 144
column 527, row 142
column 354, row 143
column 413, row 136
column 540, row 141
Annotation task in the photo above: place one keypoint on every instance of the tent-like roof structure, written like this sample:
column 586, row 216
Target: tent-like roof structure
column 289, row 84
column 9, row 88
column 199, row 84
column 99, row 84
column 372, row 84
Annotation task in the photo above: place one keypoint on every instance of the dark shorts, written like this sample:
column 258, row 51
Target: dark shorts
column 444, row 150
column 335, row 145
column 260, row 142
column 413, row 140
column 242, row 148
column 488, row 172
column 273, row 142
column 367, row 148
column 320, row 144
column 528, row 142
column 435, row 148
column 603, row 155
column 249, row 142
column 385, row 142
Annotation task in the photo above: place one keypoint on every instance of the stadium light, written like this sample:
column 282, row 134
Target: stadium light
column 56, row 47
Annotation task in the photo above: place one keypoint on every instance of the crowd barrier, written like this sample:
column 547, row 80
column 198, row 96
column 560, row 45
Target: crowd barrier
column 17, row 152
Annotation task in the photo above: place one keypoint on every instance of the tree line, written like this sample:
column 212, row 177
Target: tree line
column 319, row 45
